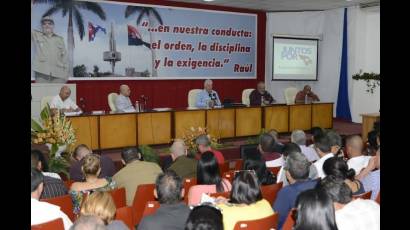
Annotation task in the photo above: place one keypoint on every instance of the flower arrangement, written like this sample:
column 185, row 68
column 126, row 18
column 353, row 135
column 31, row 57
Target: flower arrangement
column 372, row 80
column 190, row 136
column 56, row 132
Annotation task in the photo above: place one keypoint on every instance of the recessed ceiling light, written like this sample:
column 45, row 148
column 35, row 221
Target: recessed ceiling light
column 209, row 0
column 349, row 0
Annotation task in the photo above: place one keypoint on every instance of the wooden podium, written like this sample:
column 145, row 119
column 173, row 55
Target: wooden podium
column 367, row 123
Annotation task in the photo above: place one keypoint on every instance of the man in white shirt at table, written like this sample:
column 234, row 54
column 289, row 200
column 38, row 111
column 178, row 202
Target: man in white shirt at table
column 123, row 102
column 63, row 102
column 207, row 97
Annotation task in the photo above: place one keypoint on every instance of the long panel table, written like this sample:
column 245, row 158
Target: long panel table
column 117, row 130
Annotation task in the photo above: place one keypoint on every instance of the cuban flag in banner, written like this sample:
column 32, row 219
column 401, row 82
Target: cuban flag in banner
column 92, row 31
column 135, row 38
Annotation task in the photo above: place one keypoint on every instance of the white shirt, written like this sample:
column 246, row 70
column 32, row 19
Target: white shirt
column 57, row 103
column 42, row 212
column 358, row 163
column 275, row 163
column 123, row 104
column 359, row 214
column 309, row 152
column 51, row 174
column 319, row 165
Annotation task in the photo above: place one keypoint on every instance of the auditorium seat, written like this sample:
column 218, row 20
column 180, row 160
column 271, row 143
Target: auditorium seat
column 245, row 96
column 125, row 214
column 65, row 203
column 56, row 224
column 192, row 94
column 290, row 221
column 236, row 164
column 378, row 198
column 150, row 208
column 118, row 195
column 274, row 170
column 290, row 95
column 188, row 183
column 365, row 195
column 111, row 101
column 143, row 194
column 223, row 194
column 270, row 222
column 223, row 168
column 229, row 175
column 68, row 183
column 269, row 192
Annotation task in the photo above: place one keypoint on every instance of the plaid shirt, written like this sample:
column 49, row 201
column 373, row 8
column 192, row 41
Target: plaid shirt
column 53, row 187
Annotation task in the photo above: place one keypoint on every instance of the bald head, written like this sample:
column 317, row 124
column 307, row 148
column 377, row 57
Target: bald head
column 208, row 85
column 178, row 149
column 261, row 87
column 125, row 90
column 65, row 92
column 354, row 145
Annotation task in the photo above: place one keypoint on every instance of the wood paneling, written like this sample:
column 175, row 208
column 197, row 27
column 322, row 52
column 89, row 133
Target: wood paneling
column 86, row 130
column 186, row 119
column 367, row 123
column 322, row 115
column 118, row 131
column 221, row 122
column 277, row 117
column 154, row 128
column 300, row 117
column 248, row 121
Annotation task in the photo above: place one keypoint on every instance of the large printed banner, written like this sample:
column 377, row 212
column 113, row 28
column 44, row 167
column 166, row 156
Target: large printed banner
column 100, row 40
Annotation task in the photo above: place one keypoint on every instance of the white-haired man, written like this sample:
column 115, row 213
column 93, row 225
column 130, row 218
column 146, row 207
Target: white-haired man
column 299, row 137
column 207, row 97
column 123, row 102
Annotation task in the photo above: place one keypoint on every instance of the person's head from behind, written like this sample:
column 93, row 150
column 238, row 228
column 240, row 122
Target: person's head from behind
column 275, row 134
column 207, row 171
column 88, row 222
column 81, row 151
column 307, row 89
column 204, row 217
column 203, row 142
column 335, row 141
column 337, row 189
column 47, row 25
column 261, row 87
column 208, row 85
column 354, row 146
column 65, row 92
column 372, row 140
column 99, row 204
column 125, row 90
column 289, row 148
column 315, row 210
column 91, row 166
column 297, row 167
column 257, row 164
column 298, row 137
column 129, row 155
column 38, row 160
column 36, row 183
column 178, row 149
column 169, row 188
column 245, row 188
column 266, row 143
column 338, row 168
column 322, row 145
column 315, row 131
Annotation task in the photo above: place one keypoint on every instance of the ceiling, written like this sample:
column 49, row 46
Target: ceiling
column 284, row 5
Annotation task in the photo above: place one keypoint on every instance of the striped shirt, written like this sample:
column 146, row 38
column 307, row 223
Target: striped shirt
column 53, row 187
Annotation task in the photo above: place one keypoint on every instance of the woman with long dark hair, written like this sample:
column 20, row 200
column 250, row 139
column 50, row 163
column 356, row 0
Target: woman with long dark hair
column 208, row 179
column 257, row 164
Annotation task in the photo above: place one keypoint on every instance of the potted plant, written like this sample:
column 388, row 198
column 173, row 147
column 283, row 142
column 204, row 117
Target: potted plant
column 190, row 135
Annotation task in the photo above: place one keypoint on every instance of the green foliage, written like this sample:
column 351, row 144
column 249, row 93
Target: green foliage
column 372, row 80
column 149, row 154
column 59, row 165
column 80, row 71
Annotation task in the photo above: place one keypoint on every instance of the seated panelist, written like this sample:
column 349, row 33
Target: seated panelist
column 306, row 92
column 63, row 102
column 207, row 97
column 123, row 102
column 255, row 98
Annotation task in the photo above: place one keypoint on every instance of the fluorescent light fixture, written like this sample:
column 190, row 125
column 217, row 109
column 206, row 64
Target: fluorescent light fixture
column 209, row 0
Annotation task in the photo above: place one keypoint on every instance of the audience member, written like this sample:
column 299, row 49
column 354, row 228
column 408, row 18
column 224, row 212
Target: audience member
column 351, row 214
column 52, row 187
column 204, row 145
column 42, row 164
column 315, row 211
column 42, row 212
column 338, row 168
column 335, row 143
column 297, row 172
column 172, row 214
column 278, row 147
column 315, row 131
column 323, row 148
column 91, row 168
column 205, row 217
column 354, row 147
column 102, row 205
column 107, row 165
column 246, row 202
column 372, row 144
column 265, row 147
column 257, row 164
column 370, row 176
column 299, row 137
column 135, row 172
column 88, row 223
column 208, row 179
column 184, row 166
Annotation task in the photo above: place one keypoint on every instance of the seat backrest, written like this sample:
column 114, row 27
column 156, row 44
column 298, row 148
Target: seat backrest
column 188, row 183
column 111, row 101
column 56, row 224
column 269, row 192
column 274, row 170
column 223, row 194
column 65, row 204
column 245, row 96
column 44, row 101
column 236, row 163
column 192, row 97
column 223, row 168
column 126, row 215
column 378, row 198
column 68, row 183
column 270, row 222
column 143, row 194
column 118, row 195
column 150, row 208
column 248, row 149
column 229, row 175
column 290, row 95
column 290, row 221
column 364, row 196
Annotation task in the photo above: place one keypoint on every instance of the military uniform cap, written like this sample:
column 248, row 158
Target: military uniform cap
column 47, row 18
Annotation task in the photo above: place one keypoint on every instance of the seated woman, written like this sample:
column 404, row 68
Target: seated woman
column 91, row 168
column 338, row 168
column 204, row 217
column 208, row 179
column 256, row 163
column 246, row 202
column 315, row 210
column 102, row 205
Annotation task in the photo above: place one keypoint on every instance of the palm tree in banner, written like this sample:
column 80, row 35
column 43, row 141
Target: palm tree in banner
column 72, row 7
column 153, row 17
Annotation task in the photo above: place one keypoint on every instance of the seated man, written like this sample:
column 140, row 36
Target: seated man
column 183, row 166
column 297, row 173
column 351, row 214
column 42, row 212
column 299, row 137
column 306, row 93
column 204, row 145
column 255, row 98
column 123, row 102
column 52, row 187
column 335, row 143
column 135, row 172
column 370, row 176
column 207, row 97
column 266, row 149
column 278, row 145
column 63, row 102
column 323, row 148
column 172, row 214
column 107, row 165
column 354, row 148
